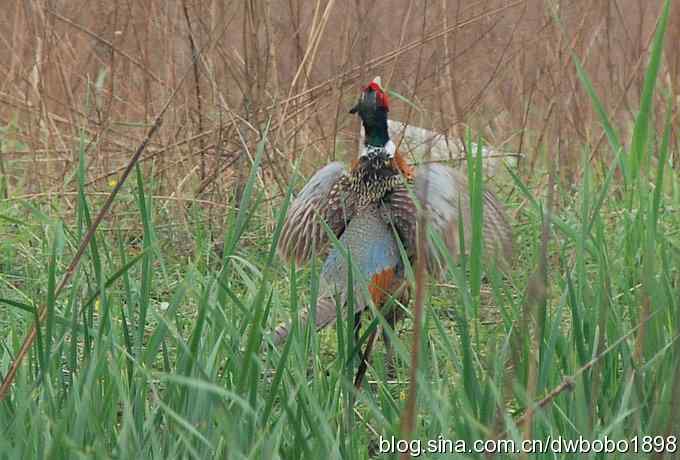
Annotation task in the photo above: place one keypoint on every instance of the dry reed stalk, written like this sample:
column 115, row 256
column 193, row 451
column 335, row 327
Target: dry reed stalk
column 66, row 35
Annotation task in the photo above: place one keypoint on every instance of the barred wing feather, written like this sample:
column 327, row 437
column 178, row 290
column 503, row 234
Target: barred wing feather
column 303, row 229
column 444, row 194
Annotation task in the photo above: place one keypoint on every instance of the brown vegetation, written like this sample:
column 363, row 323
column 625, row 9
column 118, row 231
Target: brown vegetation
column 102, row 70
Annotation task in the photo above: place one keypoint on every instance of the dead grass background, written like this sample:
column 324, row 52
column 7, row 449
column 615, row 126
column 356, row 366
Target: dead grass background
column 100, row 71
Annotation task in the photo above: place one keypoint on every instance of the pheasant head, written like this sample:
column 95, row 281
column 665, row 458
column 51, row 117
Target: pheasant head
column 372, row 108
column 379, row 166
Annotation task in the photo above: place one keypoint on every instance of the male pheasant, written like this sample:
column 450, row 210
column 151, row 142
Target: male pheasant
column 368, row 207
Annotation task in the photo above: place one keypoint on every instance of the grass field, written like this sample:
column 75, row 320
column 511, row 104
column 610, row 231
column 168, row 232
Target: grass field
column 153, row 320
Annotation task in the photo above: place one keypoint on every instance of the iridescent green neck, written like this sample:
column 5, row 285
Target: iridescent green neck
column 375, row 128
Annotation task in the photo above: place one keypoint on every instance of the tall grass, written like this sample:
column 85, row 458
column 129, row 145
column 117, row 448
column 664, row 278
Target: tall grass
column 156, row 347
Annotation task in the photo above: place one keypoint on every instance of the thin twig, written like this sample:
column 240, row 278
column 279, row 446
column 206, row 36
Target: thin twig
column 197, row 85
column 409, row 414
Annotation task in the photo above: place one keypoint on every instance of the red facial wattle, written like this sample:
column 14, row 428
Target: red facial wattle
column 380, row 96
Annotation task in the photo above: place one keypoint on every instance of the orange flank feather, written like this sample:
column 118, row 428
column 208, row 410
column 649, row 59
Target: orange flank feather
column 379, row 285
column 402, row 165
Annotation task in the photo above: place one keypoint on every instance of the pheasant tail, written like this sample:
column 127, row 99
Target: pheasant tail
column 325, row 315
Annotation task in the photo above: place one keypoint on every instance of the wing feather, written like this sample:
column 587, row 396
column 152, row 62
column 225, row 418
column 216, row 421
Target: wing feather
column 302, row 228
column 444, row 194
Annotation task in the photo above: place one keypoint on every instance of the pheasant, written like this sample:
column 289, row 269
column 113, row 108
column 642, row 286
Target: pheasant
column 368, row 207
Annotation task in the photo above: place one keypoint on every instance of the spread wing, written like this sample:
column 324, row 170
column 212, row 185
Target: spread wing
column 303, row 229
column 444, row 194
